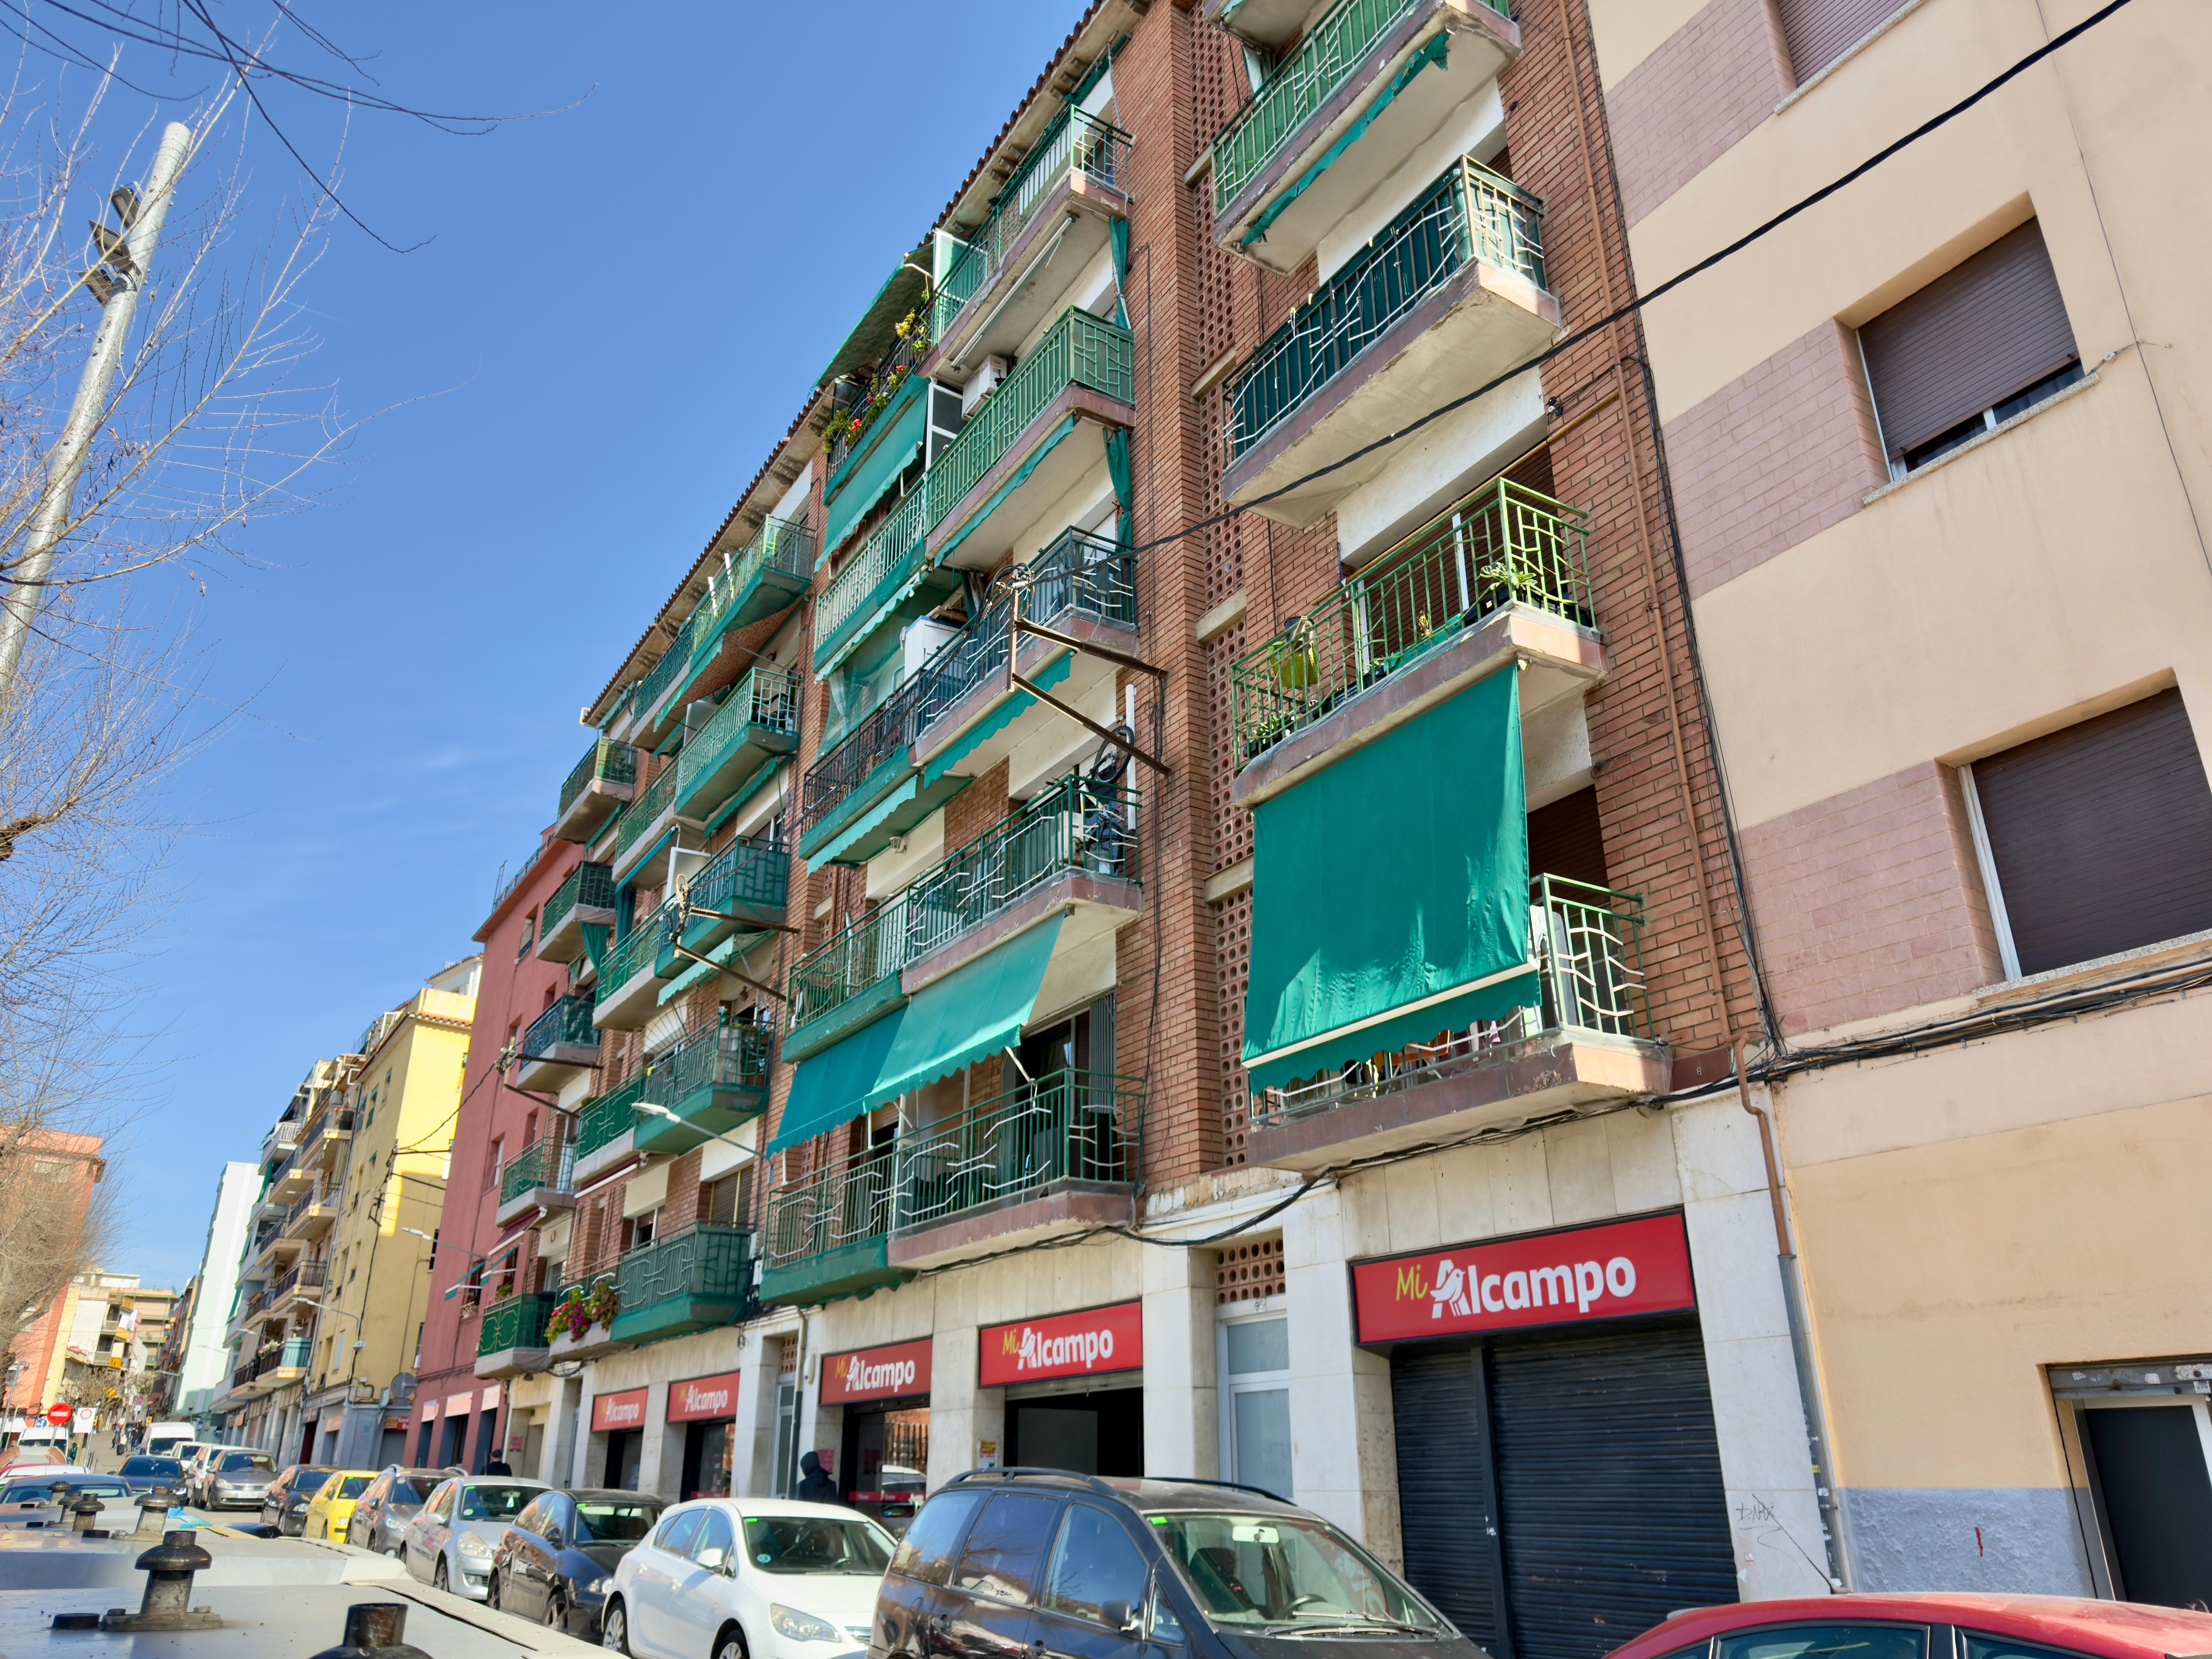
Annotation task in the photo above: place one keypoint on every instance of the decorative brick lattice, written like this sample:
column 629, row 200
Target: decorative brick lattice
column 1247, row 1273
column 1232, row 957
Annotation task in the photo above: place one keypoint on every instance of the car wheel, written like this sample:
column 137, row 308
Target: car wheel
column 441, row 1579
column 491, row 1593
column 557, row 1616
column 614, row 1629
column 732, row 1646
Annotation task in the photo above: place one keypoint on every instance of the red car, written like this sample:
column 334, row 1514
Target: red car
column 1963, row 1625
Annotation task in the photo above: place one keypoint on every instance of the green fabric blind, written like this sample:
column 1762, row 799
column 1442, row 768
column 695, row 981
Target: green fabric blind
column 896, row 445
column 999, row 495
column 827, row 1090
column 1421, row 839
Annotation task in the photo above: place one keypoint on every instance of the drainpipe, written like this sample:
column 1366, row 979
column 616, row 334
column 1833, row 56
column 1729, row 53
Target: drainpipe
column 1801, row 1345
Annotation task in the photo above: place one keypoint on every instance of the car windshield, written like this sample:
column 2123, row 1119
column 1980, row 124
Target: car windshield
column 496, row 1503
column 403, row 1492
column 806, row 1543
column 234, row 1462
column 162, row 1466
column 352, row 1485
column 306, row 1482
column 36, row 1491
column 1282, row 1572
column 603, row 1521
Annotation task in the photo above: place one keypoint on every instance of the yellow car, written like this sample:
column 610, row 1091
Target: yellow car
column 332, row 1507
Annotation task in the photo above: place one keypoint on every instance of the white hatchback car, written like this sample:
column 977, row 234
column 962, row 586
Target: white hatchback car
column 749, row 1578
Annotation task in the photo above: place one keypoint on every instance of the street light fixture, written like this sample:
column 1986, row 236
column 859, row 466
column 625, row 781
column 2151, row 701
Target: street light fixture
column 662, row 1111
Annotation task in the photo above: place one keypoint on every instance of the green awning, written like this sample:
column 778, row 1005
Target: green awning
column 1421, row 839
column 1011, row 709
column 872, row 337
column 867, row 822
column 827, row 1090
column 894, row 444
column 974, row 1010
column 999, row 495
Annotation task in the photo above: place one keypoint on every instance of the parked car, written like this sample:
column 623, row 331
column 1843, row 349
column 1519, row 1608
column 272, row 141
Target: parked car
column 755, row 1578
column 163, row 1439
column 1076, row 1565
column 143, row 1473
column 330, row 1509
column 284, row 1505
column 233, row 1478
column 452, row 1539
column 558, row 1559
column 1936, row 1625
column 380, row 1515
column 28, row 1500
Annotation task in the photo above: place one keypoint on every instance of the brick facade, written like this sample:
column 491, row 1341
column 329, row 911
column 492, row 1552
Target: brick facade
column 1776, row 456
column 1703, row 88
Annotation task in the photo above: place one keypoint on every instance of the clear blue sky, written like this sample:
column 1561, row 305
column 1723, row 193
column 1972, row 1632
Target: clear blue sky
column 623, row 306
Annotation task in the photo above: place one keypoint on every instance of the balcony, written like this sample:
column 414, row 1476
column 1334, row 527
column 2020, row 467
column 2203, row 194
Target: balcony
column 740, row 894
column 281, row 1362
column 561, row 1045
column 1073, row 848
column 714, row 1082
column 1048, row 226
column 284, row 1138
column 656, row 689
column 511, row 1340
column 691, row 1280
column 586, row 899
column 630, row 977
column 1446, row 299
column 863, row 790
column 755, row 723
column 311, row 1215
column 771, row 573
column 303, row 1278
column 269, row 1245
column 1590, row 1043
column 828, row 1232
column 1365, row 87
column 595, row 1340
column 539, row 1177
column 599, row 787
column 327, row 1136
column 1501, row 577
column 606, row 1131
column 887, row 580
column 650, row 822
column 1036, row 436
column 1057, row 1156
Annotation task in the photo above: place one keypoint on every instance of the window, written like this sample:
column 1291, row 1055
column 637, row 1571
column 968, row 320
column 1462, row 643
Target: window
column 494, row 1163
column 1819, row 31
column 677, row 1532
column 926, row 1550
column 1828, row 1642
column 1006, row 1545
column 1978, row 1646
column 717, row 1201
column 797, row 1543
column 1255, row 1399
column 1095, row 1567
column 1983, row 342
column 2096, row 839
column 441, row 1504
column 716, row 1540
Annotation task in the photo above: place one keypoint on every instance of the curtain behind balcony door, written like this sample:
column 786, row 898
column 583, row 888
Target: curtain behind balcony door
column 1390, row 893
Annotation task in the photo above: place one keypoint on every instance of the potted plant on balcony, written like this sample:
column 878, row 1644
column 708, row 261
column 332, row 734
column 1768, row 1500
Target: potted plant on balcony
column 582, row 1308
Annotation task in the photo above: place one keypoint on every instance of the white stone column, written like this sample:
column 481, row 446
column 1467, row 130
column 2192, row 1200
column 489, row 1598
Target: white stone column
column 1182, row 1412
column 751, row 1464
column 962, row 1415
column 660, row 1456
column 559, row 1449
column 1344, row 1456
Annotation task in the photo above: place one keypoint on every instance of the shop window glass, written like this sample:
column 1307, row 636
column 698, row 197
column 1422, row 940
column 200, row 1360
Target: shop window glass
column 1006, row 1546
column 1094, row 1566
column 1826, row 1642
column 926, row 1550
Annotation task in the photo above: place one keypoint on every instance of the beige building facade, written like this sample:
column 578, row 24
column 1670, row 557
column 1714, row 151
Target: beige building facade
column 1941, row 479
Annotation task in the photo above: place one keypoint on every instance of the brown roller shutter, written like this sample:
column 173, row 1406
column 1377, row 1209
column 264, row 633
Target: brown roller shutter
column 1981, row 332
column 1565, row 840
column 1822, row 30
column 2101, row 834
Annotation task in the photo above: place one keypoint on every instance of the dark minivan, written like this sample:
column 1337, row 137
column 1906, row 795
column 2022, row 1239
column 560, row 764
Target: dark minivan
column 1004, row 1564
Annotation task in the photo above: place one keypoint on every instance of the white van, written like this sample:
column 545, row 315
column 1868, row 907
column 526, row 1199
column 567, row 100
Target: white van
column 163, row 1439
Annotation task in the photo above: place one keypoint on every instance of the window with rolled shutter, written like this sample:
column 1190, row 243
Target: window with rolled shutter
column 1819, row 31
column 2099, row 837
column 1990, row 327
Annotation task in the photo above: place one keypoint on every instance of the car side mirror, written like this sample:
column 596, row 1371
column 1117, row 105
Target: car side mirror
column 555, row 1540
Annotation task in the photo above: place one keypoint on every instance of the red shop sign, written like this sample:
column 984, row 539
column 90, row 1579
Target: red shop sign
column 703, row 1398
column 625, row 1410
column 1066, row 1345
column 876, row 1373
column 1544, row 1279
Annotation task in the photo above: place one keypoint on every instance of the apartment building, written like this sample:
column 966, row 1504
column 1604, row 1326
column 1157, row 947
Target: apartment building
column 325, row 1331
column 72, row 1165
column 1943, row 518
column 200, row 1337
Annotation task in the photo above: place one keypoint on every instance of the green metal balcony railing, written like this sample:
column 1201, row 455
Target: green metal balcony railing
column 863, row 403
column 1587, row 945
column 664, row 674
column 604, row 762
column 751, row 874
column 1504, row 545
column 639, row 953
column 607, row 1119
column 566, row 1023
column 1066, row 1125
column 1080, row 350
column 782, row 544
column 881, row 565
column 828, row 1209
column 591, row 885
column 642, row 814
column 515, row 1322
column 544, row 1163
column 1076, row 142
column 767, row 697
column 1331, row 50
column 882, row 733
column 1470, row 214
column 701, row 1262
column 732, row 1057
column 1076, row 824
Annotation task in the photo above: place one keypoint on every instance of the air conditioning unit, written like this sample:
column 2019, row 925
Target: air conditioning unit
column 995, row 369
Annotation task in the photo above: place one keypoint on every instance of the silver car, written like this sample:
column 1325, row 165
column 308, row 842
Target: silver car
column 379, row 1519
column 453, row 1536
column 232, row 1478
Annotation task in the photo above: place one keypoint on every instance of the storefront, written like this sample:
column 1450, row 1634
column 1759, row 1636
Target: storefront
column 1075, row 1389
column 883, row 1457
column 618, row 1428
column 1558, row 1470
column 706, row 1409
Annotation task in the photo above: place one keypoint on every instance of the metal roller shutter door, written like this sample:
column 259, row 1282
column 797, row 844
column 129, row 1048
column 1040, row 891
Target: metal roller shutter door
column 1609, row 1481
column 1443, row 1487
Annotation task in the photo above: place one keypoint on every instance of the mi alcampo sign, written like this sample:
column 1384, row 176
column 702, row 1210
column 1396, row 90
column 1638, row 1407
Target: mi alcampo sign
column 1605, row 1272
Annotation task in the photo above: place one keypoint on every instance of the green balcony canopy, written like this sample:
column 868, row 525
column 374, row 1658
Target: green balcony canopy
column 894, row 445
column 1421, row 842
column 828, row 1088
column 876, row 332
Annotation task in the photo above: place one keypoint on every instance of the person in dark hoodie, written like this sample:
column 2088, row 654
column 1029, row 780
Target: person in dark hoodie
column 814, row 1487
